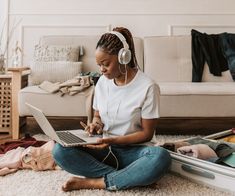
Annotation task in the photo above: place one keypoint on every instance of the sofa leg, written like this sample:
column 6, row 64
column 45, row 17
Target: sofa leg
column 16, row 86
column 23, row 121
column 18, row 123
column 15, row 128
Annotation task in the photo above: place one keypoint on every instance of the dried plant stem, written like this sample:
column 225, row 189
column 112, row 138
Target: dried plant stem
column 9, row 36
column 1, row 35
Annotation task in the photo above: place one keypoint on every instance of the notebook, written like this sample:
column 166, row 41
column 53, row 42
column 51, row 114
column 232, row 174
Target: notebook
column 66, row 138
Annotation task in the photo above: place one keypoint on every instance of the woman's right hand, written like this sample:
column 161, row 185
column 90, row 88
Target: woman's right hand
column 96, row 127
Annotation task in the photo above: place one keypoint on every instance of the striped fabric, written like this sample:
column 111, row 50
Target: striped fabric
column 56, row 53
column 53, row 71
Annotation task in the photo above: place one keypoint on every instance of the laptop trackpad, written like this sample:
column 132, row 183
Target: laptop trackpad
column 85, row 136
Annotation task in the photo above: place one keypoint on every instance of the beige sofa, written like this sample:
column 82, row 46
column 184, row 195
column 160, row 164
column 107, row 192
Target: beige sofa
column 53, row 105
column 168, row 62
column 165, row 59
column 186, row 107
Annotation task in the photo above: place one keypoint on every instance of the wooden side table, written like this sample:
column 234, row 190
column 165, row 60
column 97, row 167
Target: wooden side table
column 10, row 84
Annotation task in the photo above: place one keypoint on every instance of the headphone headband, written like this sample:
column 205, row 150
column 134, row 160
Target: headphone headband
column 124, row 54
column 121, row 38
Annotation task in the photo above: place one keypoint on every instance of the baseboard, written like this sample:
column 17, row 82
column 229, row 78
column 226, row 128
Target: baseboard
column 194, row 125
column 166, row 126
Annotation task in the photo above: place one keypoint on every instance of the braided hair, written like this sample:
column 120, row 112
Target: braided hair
column 111, row 44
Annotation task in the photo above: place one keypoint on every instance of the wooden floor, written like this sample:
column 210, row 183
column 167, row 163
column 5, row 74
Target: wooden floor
column 4, row 137
column 173, row 126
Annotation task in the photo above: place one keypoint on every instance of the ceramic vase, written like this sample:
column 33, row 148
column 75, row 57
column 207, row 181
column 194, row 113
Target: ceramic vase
column 2, row 64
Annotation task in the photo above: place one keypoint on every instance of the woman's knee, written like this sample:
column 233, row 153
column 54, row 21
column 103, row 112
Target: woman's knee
column 157, row 163
column 160, row 158
column 165, row 156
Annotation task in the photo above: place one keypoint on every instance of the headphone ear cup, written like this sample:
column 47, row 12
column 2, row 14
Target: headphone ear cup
column 124, row 56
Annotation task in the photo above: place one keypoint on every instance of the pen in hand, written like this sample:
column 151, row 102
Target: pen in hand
column 85, row 126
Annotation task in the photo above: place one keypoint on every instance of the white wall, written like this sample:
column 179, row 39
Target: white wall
column 3, row 20
column 142, row 17
column 3, row 12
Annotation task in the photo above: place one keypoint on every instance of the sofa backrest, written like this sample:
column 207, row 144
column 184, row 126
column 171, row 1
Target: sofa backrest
column 168, row 59
column 88, row 42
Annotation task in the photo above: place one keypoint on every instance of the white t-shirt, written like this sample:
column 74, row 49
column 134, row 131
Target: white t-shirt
column 122, row 107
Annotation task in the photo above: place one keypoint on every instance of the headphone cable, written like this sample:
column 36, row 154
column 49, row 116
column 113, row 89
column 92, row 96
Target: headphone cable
column 111, row 152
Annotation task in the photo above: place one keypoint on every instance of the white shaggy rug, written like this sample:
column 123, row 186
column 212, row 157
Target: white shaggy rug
column 48, row 183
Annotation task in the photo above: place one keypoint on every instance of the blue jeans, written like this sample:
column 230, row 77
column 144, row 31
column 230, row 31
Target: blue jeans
column 122, row 168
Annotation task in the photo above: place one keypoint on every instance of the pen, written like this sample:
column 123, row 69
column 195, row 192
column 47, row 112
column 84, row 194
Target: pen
column 83, row 124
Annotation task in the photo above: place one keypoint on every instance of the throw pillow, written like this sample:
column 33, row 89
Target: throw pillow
column 56, row 53
column 55, row 71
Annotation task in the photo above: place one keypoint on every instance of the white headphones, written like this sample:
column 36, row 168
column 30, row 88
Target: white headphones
column 124, row 54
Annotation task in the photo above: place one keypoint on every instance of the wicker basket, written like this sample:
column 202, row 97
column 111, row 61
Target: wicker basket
column 5, row 105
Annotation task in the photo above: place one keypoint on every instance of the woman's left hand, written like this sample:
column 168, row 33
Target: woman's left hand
column 103, row 143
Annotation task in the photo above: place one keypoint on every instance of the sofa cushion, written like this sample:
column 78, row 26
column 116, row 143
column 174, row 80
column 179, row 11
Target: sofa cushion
column 56, row 53
column 197, row 99
column 168, row 59
column 55, row 71
column 52, row 104
column 208, row 77
column 200, row 88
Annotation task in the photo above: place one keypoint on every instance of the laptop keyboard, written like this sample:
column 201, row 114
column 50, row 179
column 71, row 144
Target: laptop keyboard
column 69, row 138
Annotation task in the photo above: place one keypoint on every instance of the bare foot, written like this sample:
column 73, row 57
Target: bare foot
column 76, row 183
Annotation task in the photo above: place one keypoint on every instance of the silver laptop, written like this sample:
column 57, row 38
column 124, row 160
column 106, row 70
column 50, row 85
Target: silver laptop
column 66, row 138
